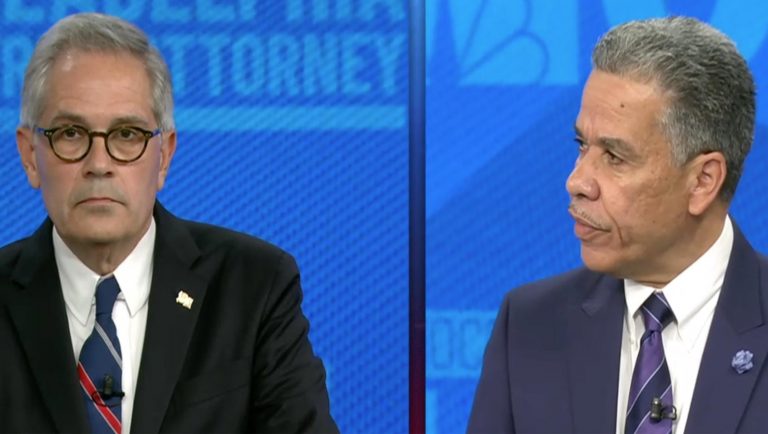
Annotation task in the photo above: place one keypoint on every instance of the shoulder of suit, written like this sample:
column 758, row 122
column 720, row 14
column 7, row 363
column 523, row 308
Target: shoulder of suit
column 561, row 288
column 763, row 260
column 9, row 254
column 220, row 240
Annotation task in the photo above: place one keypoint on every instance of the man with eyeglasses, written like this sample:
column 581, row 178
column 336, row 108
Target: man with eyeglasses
column 115, row 316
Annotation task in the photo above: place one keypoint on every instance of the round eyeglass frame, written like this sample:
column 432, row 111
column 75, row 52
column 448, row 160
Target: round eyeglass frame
column 49, row 132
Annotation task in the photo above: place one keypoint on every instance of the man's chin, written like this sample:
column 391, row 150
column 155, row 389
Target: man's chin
column 91, row 231
column 598, row 261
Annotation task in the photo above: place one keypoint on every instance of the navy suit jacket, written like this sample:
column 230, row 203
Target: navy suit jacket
column 237, row 361
column 552, row 362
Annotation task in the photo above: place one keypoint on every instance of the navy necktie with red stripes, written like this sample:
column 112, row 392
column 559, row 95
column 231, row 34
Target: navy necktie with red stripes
column 100, row 365
column 650, row 409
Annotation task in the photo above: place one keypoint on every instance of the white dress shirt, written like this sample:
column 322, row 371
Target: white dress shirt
column 692, row 295
column 78, row 284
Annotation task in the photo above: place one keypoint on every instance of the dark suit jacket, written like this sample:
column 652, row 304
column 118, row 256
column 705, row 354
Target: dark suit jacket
column 552, row 363
column 239, row 360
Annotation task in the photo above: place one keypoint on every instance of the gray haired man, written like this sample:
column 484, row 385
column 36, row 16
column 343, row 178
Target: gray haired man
column 664, row 329
column 116, row 316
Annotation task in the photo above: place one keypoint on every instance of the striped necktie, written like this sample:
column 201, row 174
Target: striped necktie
column 650, row 409
column 100, row 364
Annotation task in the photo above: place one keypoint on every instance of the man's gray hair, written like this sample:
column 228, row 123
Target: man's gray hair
column 93, row 32
column 710, row 88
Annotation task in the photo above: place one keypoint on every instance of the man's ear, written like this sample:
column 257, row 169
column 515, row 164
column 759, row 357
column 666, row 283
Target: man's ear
column 707, row 175
column 26, row 147
column 167, row 149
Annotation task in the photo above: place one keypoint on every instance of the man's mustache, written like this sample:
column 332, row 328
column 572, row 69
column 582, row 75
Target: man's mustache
column 580, row 214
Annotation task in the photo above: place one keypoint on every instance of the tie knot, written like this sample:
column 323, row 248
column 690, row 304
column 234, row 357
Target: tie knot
column 106, row 294
column 656, row 312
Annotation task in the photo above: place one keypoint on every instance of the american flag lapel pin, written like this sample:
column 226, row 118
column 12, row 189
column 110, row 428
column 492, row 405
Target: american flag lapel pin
column 184, row 299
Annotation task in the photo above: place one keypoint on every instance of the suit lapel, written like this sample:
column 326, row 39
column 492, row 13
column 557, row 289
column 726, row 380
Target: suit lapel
column 594, row 351
column 721, row 394
column 169, row 324
column 39, row 314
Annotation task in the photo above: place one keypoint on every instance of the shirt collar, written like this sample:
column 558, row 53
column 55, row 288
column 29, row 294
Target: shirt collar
column 78, row 282
column 690, row 290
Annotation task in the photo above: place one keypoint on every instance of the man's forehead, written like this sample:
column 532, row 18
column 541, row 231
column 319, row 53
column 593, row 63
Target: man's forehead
column 70, row 56
column 621, row 114
column 619, row 104
column 101, row 88
column 86, row 66
column 620, row 91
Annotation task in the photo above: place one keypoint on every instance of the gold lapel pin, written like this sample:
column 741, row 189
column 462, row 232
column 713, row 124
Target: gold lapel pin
column 184, row 299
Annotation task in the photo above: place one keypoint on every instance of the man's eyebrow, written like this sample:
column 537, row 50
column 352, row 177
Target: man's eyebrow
column 129, row 120
column 613, row 144
column 69, row 117
column 80, row 120
column 617, row 146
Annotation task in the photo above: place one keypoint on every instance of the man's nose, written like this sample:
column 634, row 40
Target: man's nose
column 581, row 182
column 98, row 162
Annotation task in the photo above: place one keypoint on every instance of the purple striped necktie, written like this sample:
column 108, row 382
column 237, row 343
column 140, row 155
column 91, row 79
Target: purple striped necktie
column 100, row 365
column 650, row 380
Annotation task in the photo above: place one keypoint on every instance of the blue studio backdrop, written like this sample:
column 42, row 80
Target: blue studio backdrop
column 292, row 126
column 503, row 89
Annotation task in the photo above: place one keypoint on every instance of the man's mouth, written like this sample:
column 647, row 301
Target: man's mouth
column 97, row 200
column 584, row 224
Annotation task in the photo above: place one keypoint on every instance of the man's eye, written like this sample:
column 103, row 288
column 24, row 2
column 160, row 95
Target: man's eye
column 70, row 133
column 126, row 133
column 613, row 159
column 582, row 145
